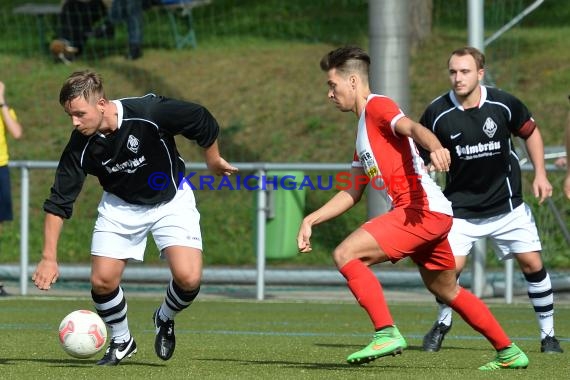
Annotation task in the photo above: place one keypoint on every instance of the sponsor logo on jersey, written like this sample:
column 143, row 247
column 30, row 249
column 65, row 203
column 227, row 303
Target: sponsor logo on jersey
column 372, row 172
column 129, row 166
column 479, row 150
column 368, row 163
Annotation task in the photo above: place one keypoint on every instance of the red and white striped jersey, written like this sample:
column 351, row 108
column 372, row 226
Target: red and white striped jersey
column 392, row 161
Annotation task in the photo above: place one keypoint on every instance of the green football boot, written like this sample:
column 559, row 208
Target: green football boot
column 387, row 341
column 511, row 357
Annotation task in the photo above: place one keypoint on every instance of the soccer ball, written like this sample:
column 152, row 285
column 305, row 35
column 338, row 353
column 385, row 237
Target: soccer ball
column 82, row 333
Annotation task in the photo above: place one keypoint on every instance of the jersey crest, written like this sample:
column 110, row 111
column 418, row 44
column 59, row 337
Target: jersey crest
column 490, row 127
column 133, row 144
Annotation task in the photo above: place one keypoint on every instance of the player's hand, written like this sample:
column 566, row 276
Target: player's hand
column 46, row 274
column 541, row 188
column 440, row 160
column 304, row 237
column 221, row 167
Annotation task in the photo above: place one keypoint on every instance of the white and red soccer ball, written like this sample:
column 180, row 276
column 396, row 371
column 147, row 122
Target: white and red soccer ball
column 82, row 333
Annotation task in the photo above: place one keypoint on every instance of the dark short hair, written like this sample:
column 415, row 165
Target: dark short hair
column 346, row 59
column 477, row 55
column 81, row 83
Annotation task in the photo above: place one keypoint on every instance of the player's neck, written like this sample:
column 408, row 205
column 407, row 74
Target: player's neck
column 472, row 99
column 110, row 119
column 361, row 100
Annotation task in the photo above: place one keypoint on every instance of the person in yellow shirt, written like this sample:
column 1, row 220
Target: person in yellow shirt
column 8, row 123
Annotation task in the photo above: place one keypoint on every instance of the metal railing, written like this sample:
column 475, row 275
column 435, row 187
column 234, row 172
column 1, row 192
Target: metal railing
column 261, row 169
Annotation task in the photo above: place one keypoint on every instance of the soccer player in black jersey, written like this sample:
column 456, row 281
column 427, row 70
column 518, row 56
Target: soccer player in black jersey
column 128, row 144
column 475, row 123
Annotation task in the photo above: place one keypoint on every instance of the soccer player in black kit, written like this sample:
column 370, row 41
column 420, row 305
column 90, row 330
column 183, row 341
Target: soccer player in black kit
column 475, row 123
column 128, row 144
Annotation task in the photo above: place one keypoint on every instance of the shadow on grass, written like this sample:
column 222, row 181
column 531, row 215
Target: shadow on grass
column 69, row 363
column 410, row 347
column 385, row 363
column 300, row 365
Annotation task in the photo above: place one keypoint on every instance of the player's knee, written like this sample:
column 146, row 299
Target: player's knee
column 342, row 255
column 188, row 282
column 530, row 262
column 445, row 293
column 442, row 284
column 101, row 285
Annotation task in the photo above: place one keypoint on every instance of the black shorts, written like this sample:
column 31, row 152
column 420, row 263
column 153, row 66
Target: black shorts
column 5, row 195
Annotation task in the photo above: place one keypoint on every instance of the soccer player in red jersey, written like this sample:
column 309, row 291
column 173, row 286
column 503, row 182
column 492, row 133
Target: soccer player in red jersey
column 417, row 224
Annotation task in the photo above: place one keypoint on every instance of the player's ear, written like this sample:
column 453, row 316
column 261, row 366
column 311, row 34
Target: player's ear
column 101, row 102
column 352, row 80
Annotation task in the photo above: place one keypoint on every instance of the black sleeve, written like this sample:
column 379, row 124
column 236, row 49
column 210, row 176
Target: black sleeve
column 190, row 120
column 521, row 123
column 69, row 179
column 423, row 152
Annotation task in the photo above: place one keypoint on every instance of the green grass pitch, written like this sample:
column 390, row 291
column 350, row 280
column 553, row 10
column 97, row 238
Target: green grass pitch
column 246, row 339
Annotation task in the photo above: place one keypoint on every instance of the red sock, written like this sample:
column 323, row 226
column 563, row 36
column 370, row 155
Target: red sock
column 477, row 315
column 368, row 292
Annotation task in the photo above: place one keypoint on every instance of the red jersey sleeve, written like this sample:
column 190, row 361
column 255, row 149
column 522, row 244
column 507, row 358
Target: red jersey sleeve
column 383, row 111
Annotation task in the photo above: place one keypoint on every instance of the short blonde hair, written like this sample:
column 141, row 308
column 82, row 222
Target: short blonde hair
column 87, row 84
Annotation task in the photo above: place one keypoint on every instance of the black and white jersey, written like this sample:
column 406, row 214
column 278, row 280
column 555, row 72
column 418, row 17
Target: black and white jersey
column 138, row 162
column 485, row 177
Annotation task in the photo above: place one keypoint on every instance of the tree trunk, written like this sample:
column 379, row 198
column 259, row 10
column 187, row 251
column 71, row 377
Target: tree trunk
column 421, row 12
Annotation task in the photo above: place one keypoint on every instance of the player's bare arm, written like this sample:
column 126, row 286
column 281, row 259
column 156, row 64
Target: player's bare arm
column 12, row 125
column 541, row 186
column 216, row 163
column 337, row 205
column 439, row 156
column 47, row 270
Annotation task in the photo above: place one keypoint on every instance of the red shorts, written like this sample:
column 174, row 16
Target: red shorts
column 419, row 234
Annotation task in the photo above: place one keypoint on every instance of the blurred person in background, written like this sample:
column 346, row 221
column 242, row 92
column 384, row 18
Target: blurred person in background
column 76, row 22
column 8, row 123
column 131, row 12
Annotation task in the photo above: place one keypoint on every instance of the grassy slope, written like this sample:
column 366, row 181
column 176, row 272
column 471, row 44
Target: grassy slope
column 269, row 97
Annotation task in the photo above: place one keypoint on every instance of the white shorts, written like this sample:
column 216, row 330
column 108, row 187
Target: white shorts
column 512, row 233
column 121, row 228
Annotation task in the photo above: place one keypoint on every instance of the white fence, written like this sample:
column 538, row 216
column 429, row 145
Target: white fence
column 260, row 168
